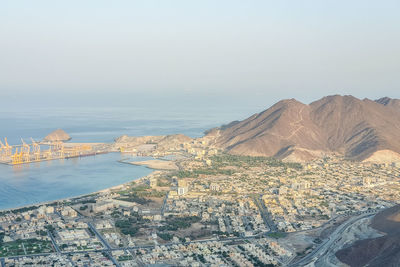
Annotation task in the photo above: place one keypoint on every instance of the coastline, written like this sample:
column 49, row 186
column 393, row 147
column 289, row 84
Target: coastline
column 142, row 162
column 78, row 196
column 156, row 164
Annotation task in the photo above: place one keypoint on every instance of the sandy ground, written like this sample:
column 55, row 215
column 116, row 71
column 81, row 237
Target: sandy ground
column 157, row 164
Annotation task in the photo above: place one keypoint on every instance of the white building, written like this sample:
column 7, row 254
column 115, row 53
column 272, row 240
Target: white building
column 182, row 187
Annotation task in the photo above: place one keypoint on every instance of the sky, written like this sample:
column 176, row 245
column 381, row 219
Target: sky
column 196, row 53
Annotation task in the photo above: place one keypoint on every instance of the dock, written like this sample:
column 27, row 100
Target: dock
column 44, row 151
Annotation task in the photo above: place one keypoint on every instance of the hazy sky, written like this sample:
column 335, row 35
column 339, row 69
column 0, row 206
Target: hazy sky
column 196, row 52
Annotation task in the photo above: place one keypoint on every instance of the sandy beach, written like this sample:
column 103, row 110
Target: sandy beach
column 157, row 164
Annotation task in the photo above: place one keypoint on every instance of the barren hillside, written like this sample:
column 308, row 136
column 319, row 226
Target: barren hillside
column 358, row 129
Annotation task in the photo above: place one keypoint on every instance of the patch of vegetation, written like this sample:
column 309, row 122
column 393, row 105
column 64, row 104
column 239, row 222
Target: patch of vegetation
column 276, row 235
column 257, row 262
column 176, row 223
column 140, row 188
column 204, row 171
column 91, row 233
column 200, row 257
column 85, row 201
column 135, row 198
column 49, row 227
column 163, row 183
column 41, row 232
column 125, row 258
column 223, row 160
column 165, row 236
column 116, row 214
column 127, row 227
column 21, row 210
column 138, row 194
column 132, row 224
column 32, row 246
column 323, row 217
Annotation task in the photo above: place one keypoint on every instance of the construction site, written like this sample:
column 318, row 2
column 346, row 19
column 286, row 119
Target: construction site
column 42, row 151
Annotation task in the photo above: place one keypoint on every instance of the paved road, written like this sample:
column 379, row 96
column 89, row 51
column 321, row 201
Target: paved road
column 105, row 243
column 326, row 245
column 112, row 259
column 271, row 223
column 23, row 247
column 53, row 241
column 164, row 204
column 265, row 214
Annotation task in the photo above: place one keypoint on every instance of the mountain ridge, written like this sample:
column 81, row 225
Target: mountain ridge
column 344, row 125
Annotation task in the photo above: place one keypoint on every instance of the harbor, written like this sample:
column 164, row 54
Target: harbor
column 29, row 184
column 52, row 147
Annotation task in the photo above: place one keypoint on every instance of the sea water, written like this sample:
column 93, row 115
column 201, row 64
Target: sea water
column 52, row 180
column 57, row 179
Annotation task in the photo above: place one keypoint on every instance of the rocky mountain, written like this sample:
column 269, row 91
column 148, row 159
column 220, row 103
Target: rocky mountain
column 162, row 140
column 394, row 103
column 161, row 143
column 357, row 129
column 381, row 251
column 57, row 135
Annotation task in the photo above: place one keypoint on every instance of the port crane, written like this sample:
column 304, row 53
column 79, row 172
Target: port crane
column 16, row 158
column 2, row 150
column 58, row 149
column 35, row 150
column 25, row 150
column 8, row 148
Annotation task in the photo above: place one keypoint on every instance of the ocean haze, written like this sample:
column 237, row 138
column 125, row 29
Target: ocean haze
column 225, row 52
column 103, row 124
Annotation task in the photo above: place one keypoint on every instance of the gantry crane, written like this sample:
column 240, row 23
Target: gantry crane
column 26, row 153
column 16, row 158
column 2, row 150
column 25, row 150
column 35, row 150
column 8, row 148
column 57, row 148
column 47, row 154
